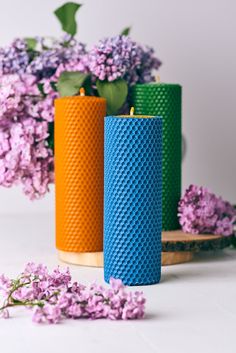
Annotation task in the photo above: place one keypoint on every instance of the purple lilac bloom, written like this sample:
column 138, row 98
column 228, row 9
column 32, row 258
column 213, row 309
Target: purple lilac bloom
column 144, row 72
column 24, row 154
column 54, row 297
column 55, row 53
column 26, row 113
column 202, row 212
column 14, row 58
column 44, row 60
column 120, row 57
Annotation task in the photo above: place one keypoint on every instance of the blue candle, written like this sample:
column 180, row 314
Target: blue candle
column 133, row 199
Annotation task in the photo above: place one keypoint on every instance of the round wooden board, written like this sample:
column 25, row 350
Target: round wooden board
column 177, row 247
column 92, row 259
column 177, row 240
column 96, row 259
column 175, row 257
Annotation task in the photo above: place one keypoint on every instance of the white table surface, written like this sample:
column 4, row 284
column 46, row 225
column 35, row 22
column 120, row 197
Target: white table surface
column 193, row 309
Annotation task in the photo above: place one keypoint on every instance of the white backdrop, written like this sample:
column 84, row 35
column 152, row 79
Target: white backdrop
column 196, row 42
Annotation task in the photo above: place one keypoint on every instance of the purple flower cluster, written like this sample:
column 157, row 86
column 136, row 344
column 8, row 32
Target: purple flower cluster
column 54, row 297
column 202, row 212
column 25, row 113
column 24, row 153
column 120, row 57
column 149, row 62
column 14, row 58
column 44, row 59
column 28, row 78
column 55, row 53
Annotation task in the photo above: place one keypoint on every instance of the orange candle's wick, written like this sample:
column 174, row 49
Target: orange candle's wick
column 82, row 92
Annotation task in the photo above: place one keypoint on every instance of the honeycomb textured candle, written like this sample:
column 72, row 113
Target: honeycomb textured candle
column 133, row 183
column 165, row 100
column 79, row 143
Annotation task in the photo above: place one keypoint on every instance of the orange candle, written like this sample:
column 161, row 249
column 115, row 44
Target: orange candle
column 79, row 142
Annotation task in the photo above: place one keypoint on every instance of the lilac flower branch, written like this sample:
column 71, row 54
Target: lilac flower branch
column 54, row 297
column 202, row 212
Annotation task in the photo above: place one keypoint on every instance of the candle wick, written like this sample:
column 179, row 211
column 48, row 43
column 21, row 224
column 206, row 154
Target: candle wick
column 82, row 92
column 132, row 111
column 158, row 79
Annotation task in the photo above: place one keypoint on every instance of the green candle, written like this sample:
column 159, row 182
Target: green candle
column 164, row 100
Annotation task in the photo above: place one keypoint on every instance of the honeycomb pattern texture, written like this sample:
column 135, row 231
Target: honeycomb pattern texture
column 165, row 100
column 79, row 173
column 132, row 204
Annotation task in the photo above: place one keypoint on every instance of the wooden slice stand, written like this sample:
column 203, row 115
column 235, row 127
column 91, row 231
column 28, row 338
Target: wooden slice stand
column 175, row 257
column 177, row 247
column 92, row 259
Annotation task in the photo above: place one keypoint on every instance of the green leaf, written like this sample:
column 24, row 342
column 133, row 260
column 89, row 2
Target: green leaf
column 88, row 85
column 40, row 88
column 15, row 301
column 234, row 242
column 50, row 138
column 126, row 31
column 53, row 84
column 31, row 43
column 70, row 82
column 115, row 93
column 66, row 15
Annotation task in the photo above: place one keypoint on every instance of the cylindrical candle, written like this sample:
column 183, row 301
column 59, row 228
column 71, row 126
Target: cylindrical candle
column 132, row 201
column 165, row 100
column 79, row 173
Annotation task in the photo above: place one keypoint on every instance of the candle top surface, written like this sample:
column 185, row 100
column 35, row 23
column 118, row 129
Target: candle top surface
column 82, row 98
column 156, row 84
column 134, row 116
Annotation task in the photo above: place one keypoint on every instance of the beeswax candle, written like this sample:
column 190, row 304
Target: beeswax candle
column 165, row 100
column 79, row 143
column 132, row 204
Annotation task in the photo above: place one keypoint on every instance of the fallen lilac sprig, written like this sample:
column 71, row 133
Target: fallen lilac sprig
column 201, row 211
column 54, row 297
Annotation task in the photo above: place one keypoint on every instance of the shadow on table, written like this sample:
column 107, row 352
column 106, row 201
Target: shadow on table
column 212, row 256
column 203, row 265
